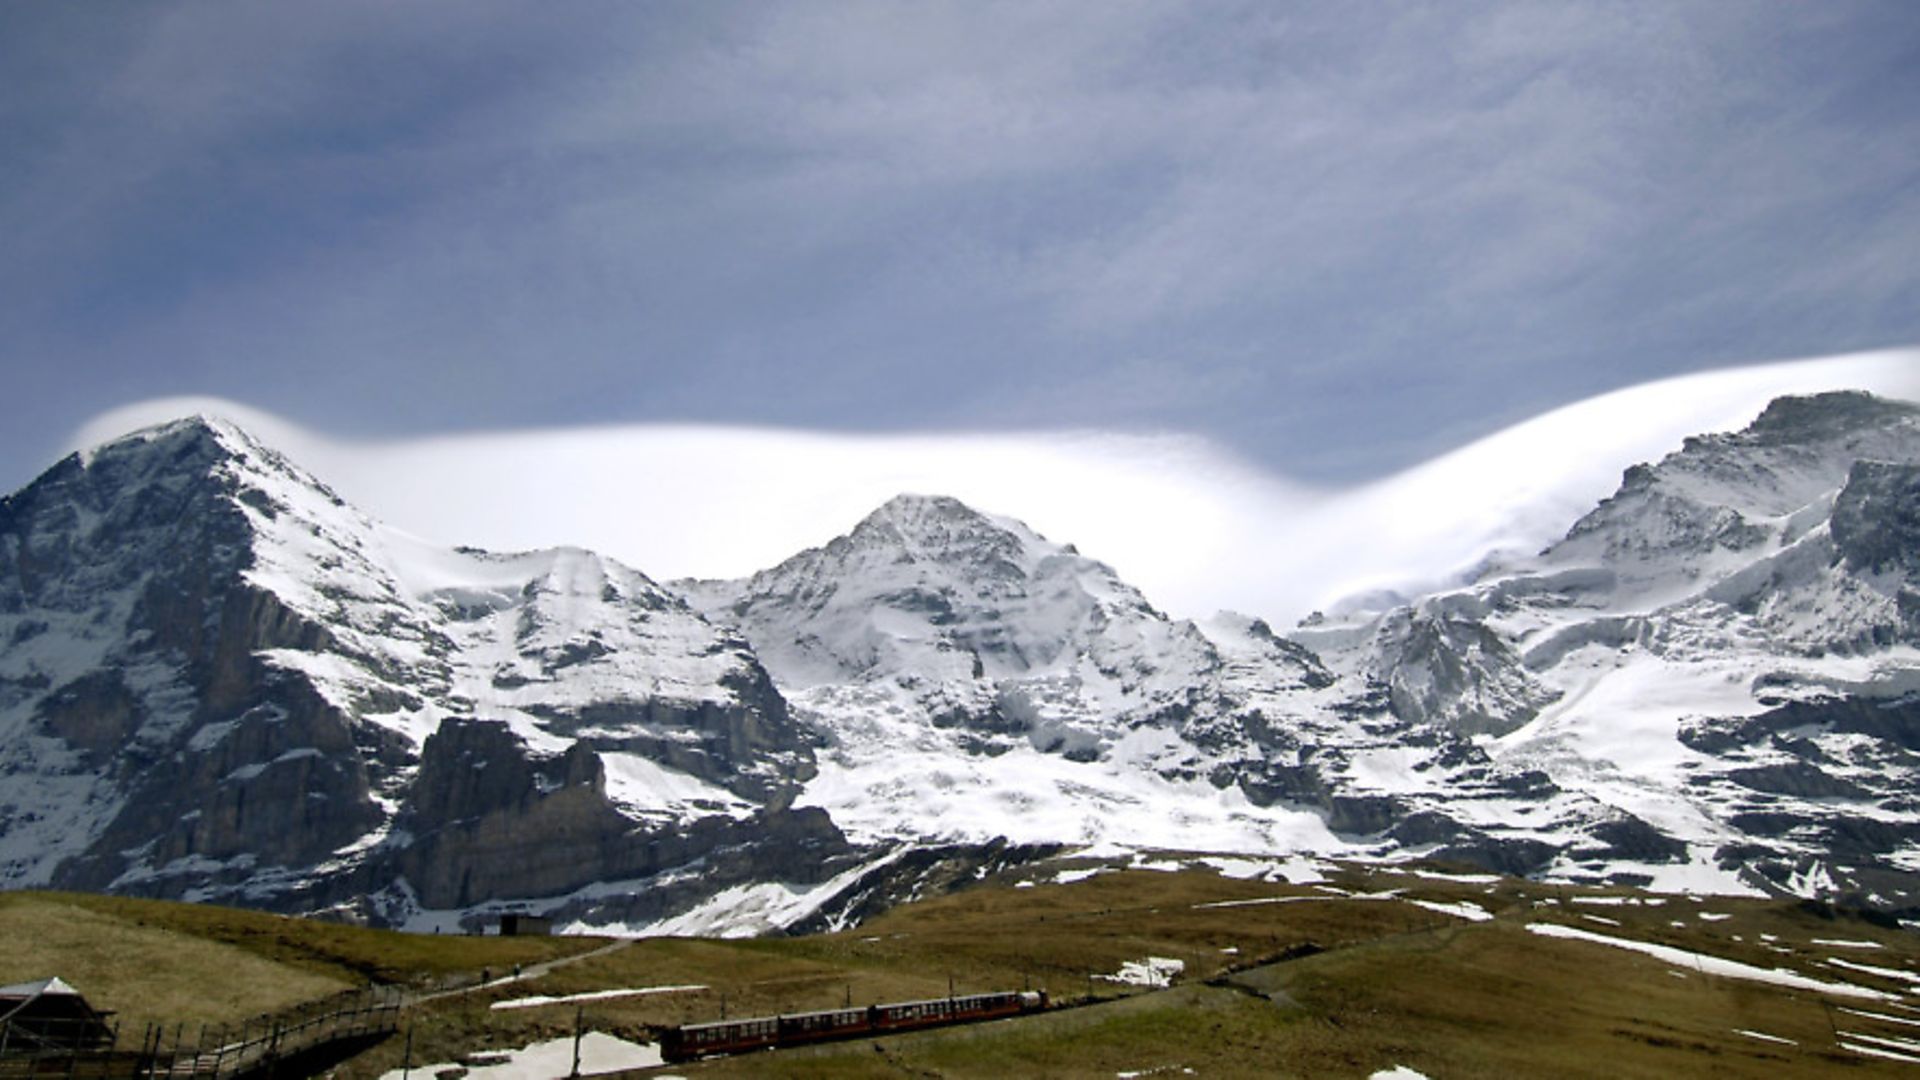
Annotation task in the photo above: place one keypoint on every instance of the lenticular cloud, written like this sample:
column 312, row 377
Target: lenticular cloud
column 1195, row 527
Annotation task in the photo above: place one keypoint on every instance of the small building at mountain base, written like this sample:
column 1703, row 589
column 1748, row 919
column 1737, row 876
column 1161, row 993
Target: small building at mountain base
column 525, row 926
column 50, row 1015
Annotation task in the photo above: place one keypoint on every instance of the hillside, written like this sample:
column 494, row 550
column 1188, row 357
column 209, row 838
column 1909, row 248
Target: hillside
column 1277, row 969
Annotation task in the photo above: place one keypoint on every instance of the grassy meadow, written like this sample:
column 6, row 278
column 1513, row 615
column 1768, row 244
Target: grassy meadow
column 1336, row 978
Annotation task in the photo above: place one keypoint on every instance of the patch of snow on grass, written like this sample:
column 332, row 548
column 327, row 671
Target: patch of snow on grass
column 1156, row 972
column 1841, row 943
column 1871, row 969
column 591, row 995
column 1872, row 1052
column 599, row 1052
column 1903, row 1046
column 1463, row 879
column 1764, row 1037
column 1712, row 965
column 1888, row 1017
column 1398, row 1072
column 1462, row 910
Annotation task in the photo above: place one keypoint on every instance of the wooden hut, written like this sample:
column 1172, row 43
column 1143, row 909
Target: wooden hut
column 50, row 1015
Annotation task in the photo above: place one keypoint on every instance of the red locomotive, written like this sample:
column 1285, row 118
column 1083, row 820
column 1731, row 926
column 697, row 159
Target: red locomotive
column 691, row 1041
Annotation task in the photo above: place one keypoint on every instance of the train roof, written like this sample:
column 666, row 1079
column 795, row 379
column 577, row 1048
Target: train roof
column 857, row 1008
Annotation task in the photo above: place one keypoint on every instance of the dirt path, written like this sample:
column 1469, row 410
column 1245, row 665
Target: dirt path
column 531, row 971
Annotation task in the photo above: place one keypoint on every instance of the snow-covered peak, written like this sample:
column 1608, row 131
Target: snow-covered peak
column 1723, row 499
column 197, row 443
column 936, row 520
column 930, row 586
column 942, row 529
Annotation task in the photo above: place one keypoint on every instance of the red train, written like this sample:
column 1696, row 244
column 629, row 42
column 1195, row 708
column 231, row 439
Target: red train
column 765, row 1032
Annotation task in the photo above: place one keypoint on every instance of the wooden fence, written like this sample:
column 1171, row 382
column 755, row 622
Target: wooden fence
column 262, row 1047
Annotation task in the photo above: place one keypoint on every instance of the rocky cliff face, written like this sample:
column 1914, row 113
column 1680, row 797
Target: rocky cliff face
column 221, row 681
column 1876, row 519
column 142, row 725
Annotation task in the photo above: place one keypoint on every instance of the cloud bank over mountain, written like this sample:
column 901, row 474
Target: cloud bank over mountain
column 1195, row 526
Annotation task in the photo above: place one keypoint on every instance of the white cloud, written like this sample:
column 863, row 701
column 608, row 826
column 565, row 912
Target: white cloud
column 1193, row 526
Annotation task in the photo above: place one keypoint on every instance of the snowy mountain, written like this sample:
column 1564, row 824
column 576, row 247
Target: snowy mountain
column 973, row 680
column 220, row 681
column 1724, row 649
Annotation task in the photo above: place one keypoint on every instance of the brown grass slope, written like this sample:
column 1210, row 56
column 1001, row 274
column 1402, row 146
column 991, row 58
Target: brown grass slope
column 1337, row 978
column 198, row 964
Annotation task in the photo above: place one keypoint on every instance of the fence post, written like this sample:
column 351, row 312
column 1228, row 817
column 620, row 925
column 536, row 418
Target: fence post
column 579, row 1017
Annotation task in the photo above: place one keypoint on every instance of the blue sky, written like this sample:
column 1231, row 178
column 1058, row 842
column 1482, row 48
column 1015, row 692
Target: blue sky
column 1333, row 239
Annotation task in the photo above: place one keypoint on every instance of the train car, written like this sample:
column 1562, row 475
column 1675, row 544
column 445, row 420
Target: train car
column 907, row 1015
column 798, row 1028
column 690, row 1041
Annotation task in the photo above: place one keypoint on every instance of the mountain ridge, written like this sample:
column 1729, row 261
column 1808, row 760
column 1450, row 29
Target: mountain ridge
column 220, row 680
